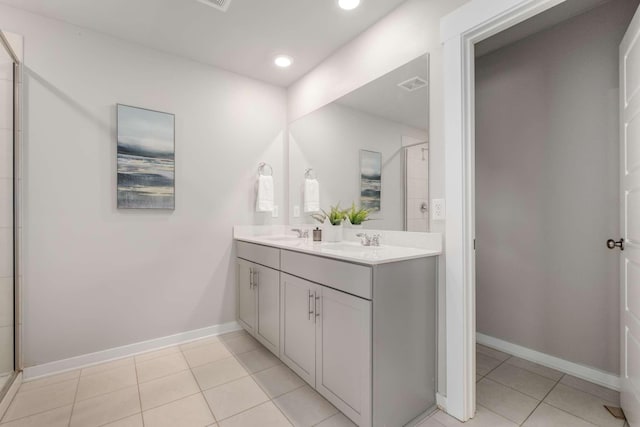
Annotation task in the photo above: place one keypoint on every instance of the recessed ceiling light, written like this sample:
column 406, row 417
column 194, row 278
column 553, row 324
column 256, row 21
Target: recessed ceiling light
column 348, row 4
column 283, row 61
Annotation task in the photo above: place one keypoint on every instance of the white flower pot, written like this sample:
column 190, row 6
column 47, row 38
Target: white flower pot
column 332, row 233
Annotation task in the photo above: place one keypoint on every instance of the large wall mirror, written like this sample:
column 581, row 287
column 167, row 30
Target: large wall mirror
column 371, row 148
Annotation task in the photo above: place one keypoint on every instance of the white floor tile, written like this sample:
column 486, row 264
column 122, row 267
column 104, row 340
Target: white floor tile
column 482, row 418
column 42, row 399
column 54, row 418
column 484, row 363
column 258, row 360
column 207, row 353
column 265, row 415
column 167, row 389
column 504, row 401
column 132, row 421
column 305, row 407
column 241, row 344
column 52, row 379
column 160, row 367
column 552, row 374
column 217, row 373
column 278, row 380
column 522, row 380
column 191, row 411
column 591, row 388
column 491, row 352
column 107, row 366
column 548, row 416
column 106, row 382
column 232, row 398
column 337, row 420
column 106, row 408
column 582, row 405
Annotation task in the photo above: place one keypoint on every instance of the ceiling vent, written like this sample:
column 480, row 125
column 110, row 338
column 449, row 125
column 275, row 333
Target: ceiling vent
column 414, row 83
column 222, row 5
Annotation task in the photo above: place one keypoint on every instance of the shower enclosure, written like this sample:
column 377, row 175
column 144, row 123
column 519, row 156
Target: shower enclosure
column 416, row 189
column 9, row 182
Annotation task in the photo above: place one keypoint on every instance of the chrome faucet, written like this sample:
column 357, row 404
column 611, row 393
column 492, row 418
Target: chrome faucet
column 301, row 233
column 367, row 240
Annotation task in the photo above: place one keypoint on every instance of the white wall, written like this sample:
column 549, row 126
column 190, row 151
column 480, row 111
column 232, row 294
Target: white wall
column 97, row 277
column 547, row 177
column 329, row 140
column 411, row 30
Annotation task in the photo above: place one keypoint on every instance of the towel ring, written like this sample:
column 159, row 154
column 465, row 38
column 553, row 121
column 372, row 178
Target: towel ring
column 261, row 168
column 310, row 174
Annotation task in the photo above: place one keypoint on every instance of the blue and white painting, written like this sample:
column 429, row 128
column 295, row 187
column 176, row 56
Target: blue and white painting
column 146, row 159
column 370, row 180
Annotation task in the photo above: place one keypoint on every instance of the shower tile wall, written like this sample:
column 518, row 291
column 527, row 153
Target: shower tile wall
column 6, row 216
column 417, row 164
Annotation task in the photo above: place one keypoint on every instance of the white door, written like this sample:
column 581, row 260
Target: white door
column 266, row 282
column 298, row 328
column 630, row 169
column 246, row 295
column 343, row 346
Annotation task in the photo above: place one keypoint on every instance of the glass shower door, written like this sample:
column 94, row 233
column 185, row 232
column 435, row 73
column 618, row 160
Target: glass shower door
column 7, row 288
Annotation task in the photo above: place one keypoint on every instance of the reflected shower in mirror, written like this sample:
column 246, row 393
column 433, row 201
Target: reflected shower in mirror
column 387, row 119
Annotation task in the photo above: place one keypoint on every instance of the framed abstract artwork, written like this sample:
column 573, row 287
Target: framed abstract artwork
column 146, row 158
column 370, row 180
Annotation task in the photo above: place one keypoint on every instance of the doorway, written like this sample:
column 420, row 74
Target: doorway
column 462, row 31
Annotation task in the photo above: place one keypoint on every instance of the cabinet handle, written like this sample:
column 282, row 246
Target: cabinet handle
column 309, row 304
column 251, row 278
column 256, row 278
column 316, row 306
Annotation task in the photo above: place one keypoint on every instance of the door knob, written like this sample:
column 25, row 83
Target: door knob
column 612, row 244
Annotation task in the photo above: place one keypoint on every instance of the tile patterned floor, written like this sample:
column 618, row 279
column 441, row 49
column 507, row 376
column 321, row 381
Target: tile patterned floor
column 514, row 392
column 232, row 381
column 225, row 381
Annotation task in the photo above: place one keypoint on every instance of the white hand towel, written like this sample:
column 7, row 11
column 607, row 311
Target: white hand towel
column 264, row 202
column 311, row 195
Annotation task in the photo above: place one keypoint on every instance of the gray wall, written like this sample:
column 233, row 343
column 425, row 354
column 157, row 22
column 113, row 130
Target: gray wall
column 96, row 277
column 547, row 189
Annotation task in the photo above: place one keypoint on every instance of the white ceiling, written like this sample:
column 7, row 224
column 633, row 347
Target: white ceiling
column 243, row 40
column 383, row 97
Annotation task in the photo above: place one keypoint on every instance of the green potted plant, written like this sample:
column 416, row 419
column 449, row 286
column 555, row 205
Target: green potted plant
column 356, row 216
column 332, row 223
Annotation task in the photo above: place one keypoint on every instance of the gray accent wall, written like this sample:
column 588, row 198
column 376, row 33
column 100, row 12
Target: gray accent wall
column 547, row 179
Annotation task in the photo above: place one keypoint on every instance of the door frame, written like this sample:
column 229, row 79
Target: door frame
column 459, row 32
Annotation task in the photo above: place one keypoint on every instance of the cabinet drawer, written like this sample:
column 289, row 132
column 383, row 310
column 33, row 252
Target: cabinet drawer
column 263, row 255
column 351, row 278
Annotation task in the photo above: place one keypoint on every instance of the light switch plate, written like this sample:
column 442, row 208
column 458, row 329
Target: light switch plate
column 274, row 212
column 438, row 210
column 296, row 211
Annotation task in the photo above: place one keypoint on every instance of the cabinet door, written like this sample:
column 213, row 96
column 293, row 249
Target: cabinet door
column 343, row 346
column 246, row 296
column 298, row 329
column 266, row 283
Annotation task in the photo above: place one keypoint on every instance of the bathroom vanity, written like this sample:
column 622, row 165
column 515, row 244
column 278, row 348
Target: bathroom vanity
column 357, row 323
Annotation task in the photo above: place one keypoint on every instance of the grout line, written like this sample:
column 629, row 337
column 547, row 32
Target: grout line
column 135, row 367
column 540, row 402
column 75, row 397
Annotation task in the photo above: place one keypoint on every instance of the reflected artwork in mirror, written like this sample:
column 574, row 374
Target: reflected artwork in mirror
column 368, row 148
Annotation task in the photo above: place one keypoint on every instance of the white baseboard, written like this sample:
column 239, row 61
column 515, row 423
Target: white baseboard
column 6, row 400
column 587, row 373
column 126, row 351
column 441, row 402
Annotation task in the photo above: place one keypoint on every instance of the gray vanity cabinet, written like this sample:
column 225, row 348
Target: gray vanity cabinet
column 259, row 302
column 326, row 340
column 362, row 335
column 298, row 326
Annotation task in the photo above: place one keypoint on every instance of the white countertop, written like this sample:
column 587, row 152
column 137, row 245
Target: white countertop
column 350, row 249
